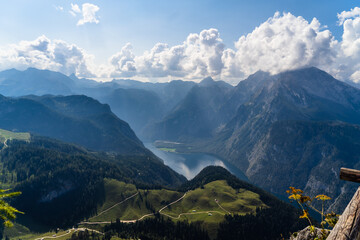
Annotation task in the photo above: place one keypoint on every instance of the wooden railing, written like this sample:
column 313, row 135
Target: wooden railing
column 348, row 226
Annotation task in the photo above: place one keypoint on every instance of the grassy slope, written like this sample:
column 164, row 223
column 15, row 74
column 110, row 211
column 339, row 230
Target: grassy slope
column 238, row 201
column 60, row 235
column 135, row 207
column 168, row 149
column 235, row 201
column 199, row 200
column 4, row 135
column 195, row 206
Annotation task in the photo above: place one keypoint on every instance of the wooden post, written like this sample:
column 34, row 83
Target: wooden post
column 348, row 174
column 348, row 226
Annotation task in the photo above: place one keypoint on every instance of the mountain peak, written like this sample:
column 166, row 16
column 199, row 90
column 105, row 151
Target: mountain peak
column 207, row 175
column 32, row 69
column 73, row 76
column 207, row 81
column 313, row 79
column 259, row 73
column 36, row 70
column 306, row 72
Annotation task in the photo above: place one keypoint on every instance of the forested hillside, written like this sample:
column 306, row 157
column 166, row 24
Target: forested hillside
column 61, row 183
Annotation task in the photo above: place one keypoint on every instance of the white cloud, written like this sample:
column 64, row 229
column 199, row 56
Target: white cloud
column 281, row 43
column 123, row 62
column 348, row 61
column 43, row 53
column 75, row 9
column 59, row 8
column 87, row 12
column 198, row 56
column 355, row 12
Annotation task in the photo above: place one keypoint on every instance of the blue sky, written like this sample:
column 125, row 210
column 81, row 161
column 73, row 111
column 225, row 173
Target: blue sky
column 144, row 23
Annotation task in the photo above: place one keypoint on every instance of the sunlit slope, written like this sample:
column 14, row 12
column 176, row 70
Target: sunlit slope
column 218, row 197
column 208, row 203
column 125, row 202
column 8, row 135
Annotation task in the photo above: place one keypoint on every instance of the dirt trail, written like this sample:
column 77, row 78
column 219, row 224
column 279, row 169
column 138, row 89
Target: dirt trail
column 173, row 202
column 217, row 202
column 116, row 205
column 5, row 145
column 69, row 232
column 192, row 213
column 134, row 220
column 160, row 211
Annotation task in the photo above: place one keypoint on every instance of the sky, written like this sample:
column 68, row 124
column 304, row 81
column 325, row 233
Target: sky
column 161, row 40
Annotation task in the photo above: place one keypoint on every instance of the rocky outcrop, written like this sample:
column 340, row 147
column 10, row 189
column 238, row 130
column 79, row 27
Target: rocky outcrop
column 306, row 234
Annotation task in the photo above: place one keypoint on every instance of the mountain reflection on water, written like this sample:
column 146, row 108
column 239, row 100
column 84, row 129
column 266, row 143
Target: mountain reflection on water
column 190, row 164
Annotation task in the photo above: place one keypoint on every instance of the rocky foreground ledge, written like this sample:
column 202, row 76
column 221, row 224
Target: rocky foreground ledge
column 305, row 234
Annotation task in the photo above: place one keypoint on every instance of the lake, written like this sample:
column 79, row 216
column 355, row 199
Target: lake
column 190, row 164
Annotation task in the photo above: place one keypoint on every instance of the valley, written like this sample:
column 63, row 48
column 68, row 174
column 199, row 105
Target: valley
column 79, row 163
column 190, row 164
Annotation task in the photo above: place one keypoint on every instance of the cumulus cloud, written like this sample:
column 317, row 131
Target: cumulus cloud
column 348, row 61
column 281, row 43
column 123, row 62
column 43, row 53
column 199, row 55
column 88, row 13
column 286, row 42
column 355, row 12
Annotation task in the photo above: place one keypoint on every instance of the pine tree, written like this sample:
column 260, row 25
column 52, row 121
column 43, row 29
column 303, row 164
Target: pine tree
column 7, row 212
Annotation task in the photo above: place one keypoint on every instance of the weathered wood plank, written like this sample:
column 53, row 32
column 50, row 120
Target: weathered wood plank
column 348, row 226
column 348, row 174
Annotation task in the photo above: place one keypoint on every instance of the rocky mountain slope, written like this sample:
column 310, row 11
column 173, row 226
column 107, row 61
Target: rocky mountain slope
column 196, row 116
column 314, row 119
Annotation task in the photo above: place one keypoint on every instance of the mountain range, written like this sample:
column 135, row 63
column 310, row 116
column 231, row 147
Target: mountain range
column 76, row 119
column 299, row 119
column 196, row 116
column 304, row 121
column 135, row 102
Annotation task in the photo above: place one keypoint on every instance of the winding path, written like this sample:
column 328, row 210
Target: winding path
column 69, row 232
column 173, row 202
column 5, row 145
column 134, row 220
column 192, row 213
column 160, row 211
column 116, row 205
column 217, row 202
